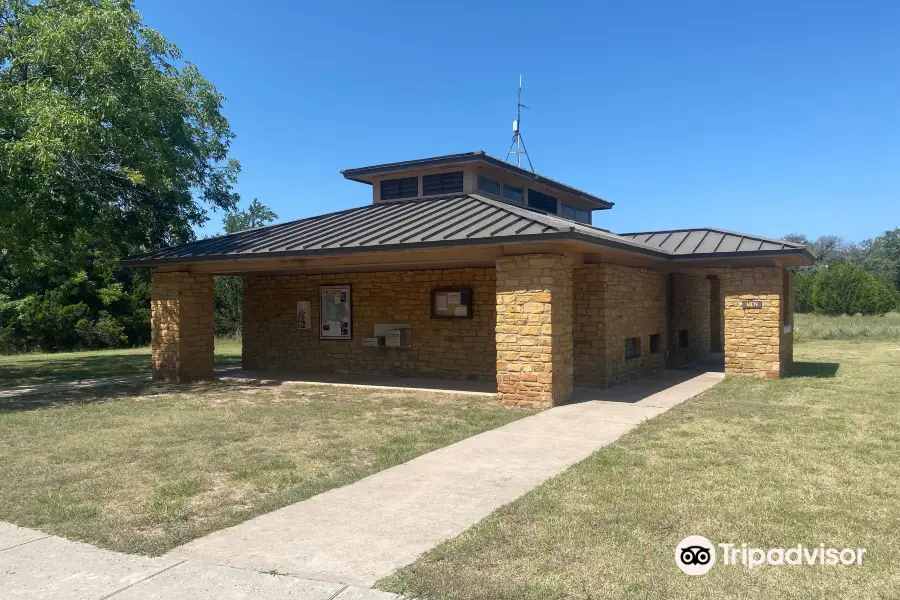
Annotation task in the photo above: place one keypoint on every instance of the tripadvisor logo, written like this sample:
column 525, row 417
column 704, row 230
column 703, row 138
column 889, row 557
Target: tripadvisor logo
column 696, row 555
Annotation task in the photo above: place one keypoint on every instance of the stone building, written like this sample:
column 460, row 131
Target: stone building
column 468, row 267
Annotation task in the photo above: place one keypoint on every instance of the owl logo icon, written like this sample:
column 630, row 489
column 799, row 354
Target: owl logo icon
column 695, row 555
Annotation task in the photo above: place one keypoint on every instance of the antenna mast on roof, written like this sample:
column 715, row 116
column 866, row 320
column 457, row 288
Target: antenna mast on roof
column 518, row 144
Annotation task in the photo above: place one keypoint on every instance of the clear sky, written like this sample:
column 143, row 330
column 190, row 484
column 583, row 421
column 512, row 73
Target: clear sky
column 764, row 117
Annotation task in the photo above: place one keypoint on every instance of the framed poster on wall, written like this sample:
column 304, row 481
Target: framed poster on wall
column 335, row 313
column 451, row 303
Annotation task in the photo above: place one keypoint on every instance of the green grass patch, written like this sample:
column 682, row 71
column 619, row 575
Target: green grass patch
column 147, row 467
column 37, row 368
column 807, row 459
column 858, row 327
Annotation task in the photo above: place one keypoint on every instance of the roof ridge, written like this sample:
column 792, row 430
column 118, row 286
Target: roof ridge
column 717, row 230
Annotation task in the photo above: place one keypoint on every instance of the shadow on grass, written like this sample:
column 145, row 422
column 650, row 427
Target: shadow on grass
column 49, row 368
column 121, row 391
column 813, row 369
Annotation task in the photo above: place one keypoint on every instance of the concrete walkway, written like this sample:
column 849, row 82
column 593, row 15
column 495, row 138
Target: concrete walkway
column 35, row 566
column 334, row 546
column 364, row 531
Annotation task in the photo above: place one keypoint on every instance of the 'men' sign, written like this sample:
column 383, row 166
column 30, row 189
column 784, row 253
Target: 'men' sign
column 752, row 304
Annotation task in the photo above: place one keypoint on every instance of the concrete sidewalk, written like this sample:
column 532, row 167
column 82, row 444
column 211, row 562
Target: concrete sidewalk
column 334, row 546
column 364, row 531
column 35, row 566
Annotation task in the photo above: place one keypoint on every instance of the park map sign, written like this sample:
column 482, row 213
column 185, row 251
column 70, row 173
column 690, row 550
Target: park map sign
column 335, row 312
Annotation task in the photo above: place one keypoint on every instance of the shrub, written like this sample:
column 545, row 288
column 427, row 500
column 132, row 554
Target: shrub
column 846, row 289
column 880, row 297
column 803, row 292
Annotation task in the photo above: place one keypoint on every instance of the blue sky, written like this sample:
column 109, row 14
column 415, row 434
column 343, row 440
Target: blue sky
column 763, row 117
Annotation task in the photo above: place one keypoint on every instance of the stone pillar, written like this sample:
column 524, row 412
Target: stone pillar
column 181, row 307
column 754, row 336
column 534, row 330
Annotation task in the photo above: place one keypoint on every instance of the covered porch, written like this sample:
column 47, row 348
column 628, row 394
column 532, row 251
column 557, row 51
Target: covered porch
column 528, row 312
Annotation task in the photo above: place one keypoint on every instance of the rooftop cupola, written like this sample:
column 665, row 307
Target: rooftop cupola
column 476, row 173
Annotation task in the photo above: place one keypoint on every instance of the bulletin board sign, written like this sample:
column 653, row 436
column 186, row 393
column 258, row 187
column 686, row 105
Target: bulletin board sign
column 451, row 303
column 304, row 314
column 335, row 312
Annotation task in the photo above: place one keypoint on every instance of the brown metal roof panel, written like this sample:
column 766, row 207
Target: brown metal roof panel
column 302, row 229
column 766, row 245
column 364, row 228
column 691, row 241
column 510, row 222
column 534, row 229
column 749, row 244
column 710, row 241
column 641, row 237
column 446, row 228
column 363, row 234
column 475, row 223
column 729, row 243
column 365, row 222
column 513, row 227
column 420, row 212
column 394, row 235
column 673, row 240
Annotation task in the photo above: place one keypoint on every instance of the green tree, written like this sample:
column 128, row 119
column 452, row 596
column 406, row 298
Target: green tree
column 846, row 289
column 229, row 299
column 106, row 144
column 803, row 291
column 884, row 256
column 256, row 215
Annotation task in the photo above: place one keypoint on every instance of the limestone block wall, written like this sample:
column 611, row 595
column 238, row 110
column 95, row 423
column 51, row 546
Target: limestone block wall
column 611, row 304
column 589, row 326
column 534, row 330
column 442, row 348
column 635, row 307
column 754, row 336
column 716, row 316
column 691, row 312
column 181, row 314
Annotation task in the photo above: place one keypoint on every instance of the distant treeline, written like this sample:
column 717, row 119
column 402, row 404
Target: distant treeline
column 850, row 279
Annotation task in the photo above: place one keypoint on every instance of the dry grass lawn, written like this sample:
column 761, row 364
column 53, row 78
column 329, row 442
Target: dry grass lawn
column 145, row 469
column 809, row 459
column 37, row 368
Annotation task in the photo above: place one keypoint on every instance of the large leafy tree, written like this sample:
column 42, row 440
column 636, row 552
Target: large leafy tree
column 109, row 142
column 229, row 303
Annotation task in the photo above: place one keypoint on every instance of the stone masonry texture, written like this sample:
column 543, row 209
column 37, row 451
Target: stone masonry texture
column 441, row 348
column 754, row 338
column 716, row 314
column 635, row 308
column 613, row 303
column 534, row 330
column 691, row 312
column 181, row 308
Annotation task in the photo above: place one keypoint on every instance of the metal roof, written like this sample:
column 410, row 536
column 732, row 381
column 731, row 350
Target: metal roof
column 467, row 157
column 709, row 241
column 448, row 221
